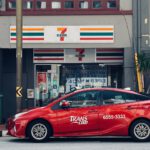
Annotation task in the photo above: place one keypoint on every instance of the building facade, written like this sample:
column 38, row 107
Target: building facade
column 66, row 43
column 141, row 33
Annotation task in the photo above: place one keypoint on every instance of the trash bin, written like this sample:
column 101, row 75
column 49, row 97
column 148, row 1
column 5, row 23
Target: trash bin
column 1, row 108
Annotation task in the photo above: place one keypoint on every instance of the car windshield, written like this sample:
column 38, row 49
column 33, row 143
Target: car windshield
column 48, row 101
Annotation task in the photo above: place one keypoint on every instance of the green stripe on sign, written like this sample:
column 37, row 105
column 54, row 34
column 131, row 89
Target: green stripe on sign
column 109, row 54
column 96, row 34
column 29, row 34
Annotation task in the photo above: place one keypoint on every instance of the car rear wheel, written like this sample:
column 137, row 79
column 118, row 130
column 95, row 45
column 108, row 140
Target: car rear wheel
column 39, row 131
column 140, row 130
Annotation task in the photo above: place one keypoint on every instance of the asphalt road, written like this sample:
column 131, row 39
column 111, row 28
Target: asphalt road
column 10, row 143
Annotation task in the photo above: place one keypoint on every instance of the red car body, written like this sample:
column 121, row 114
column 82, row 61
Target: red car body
column 95, row 120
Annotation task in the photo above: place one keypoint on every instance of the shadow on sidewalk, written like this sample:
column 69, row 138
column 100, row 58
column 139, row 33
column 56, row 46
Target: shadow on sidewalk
column 78, row 140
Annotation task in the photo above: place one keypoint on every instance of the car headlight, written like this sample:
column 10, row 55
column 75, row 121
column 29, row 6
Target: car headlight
column 19, row 115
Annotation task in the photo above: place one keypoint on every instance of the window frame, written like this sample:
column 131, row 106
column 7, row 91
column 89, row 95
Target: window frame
column 102, row 3
column 7, row 4
column 74, row 5
column 89, row 5
column 31, row 9
column 61, row 5
column 41, row 9
column 115, row 8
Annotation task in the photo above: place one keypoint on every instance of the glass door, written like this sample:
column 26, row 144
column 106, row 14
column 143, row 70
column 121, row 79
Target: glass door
column 43, row 87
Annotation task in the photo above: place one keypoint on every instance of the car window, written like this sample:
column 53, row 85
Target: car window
column 142, row 98
column 130, row 97
column 84, row 99
column 112, row 97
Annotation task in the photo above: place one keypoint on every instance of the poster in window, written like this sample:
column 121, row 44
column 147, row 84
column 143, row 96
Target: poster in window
column 42, row 81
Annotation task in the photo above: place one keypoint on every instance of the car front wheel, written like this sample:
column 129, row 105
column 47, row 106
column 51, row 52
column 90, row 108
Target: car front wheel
column 140, row 130
column 39, row 131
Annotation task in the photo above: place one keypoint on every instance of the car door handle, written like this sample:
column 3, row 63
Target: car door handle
column 92, row 111
column 131, row 107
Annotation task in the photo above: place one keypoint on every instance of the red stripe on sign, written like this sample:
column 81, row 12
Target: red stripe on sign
column 109, row 58
column 48, row 59
column 96, row 38
column 47, row 51
column 29, row 39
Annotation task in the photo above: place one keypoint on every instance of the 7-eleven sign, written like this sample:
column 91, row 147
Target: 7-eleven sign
column 62, row 33
column 80, row 53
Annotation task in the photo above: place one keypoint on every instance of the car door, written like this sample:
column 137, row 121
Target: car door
column 82, row 116
column 115, row 113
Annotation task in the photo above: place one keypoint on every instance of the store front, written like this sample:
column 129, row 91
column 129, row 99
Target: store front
column 58, row 71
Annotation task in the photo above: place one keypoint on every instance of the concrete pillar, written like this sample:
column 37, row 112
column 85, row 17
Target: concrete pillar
column 129, row 70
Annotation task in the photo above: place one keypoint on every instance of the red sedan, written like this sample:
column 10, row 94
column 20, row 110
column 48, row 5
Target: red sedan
column 87, row 112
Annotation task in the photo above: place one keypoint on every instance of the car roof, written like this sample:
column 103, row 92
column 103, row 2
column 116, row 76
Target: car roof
column 107, row 89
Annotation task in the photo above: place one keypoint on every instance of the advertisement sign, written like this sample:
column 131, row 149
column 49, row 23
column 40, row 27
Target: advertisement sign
column 65, row 34
column 86, row 82
column 30, row 93
column 42, row 81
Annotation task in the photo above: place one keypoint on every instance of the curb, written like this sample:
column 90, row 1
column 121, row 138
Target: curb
column 3, row 130
column 3, row 133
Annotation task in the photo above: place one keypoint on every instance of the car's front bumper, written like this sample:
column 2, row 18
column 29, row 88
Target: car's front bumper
column 16, row 128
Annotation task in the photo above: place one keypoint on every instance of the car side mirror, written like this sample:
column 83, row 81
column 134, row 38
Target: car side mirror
column 64, row 104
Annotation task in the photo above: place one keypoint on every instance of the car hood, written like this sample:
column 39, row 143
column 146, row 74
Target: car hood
column 31, row 113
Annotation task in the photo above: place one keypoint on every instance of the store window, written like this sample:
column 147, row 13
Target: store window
column 97, row 4
column 85, row 76
column 41, row 4
column 27, row 4
column 56, row 5
column 69, row 4
column 83, row 4
column 112, row 4
column 12, row 4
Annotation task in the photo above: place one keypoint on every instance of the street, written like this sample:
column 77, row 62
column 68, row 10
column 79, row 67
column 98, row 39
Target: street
column 10, row 143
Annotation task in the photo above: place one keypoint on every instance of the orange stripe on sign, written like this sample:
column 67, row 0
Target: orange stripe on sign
column 96, row 29
column 29, row 29
column 60, row 29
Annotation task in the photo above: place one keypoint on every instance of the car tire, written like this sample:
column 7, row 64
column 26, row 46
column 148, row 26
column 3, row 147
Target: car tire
column 39, row 131
column 140, row 130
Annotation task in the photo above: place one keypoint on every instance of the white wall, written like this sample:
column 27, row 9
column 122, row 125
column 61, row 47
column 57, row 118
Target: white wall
column 125, row 4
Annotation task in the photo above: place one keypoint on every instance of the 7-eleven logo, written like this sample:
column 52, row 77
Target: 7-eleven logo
column 62, row 33
column 81, row 53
